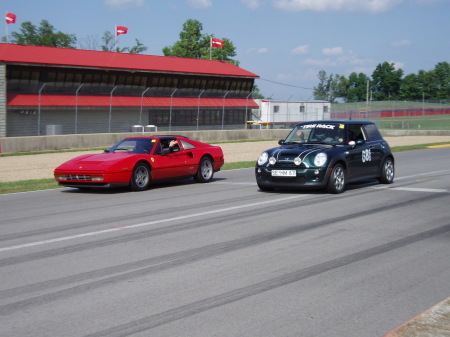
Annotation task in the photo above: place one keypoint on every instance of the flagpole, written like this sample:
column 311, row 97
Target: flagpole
column 210, row 44
column 115, row 37
column 6, row 28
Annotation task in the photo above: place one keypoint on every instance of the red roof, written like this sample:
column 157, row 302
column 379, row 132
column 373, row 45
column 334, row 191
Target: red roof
column 50, row 56
column 125, row 101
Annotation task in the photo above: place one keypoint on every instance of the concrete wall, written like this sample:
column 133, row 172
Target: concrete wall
column 2, row 100
column 60, row 142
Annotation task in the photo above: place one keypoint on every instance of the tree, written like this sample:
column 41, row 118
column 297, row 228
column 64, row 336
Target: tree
column 330, row 87
column 411, row 88
column 323, row 88
column 441, row 80
column 357, row 87
column 191, row 41
column 44, row 35
column 109, row 44
column 256, row 94
column 194, row 44
column 386, row 81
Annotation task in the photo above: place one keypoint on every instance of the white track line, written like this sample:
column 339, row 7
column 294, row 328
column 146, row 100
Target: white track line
column 115, row 229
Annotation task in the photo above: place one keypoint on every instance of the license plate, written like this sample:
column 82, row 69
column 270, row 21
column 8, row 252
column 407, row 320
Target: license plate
column 284, row 173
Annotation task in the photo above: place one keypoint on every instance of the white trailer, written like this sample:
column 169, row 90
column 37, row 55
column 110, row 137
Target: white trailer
column 289, row 112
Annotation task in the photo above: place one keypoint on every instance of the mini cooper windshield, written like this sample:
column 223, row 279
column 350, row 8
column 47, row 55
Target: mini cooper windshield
column 316, row 133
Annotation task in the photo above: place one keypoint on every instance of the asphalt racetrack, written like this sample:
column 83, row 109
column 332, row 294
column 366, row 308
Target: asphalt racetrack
column 225, row 259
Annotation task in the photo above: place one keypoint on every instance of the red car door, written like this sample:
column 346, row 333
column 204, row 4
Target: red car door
column 175, row 163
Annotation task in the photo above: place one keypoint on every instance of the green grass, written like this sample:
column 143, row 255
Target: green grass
column 43, row 184
column 381, row 105
column 27, row 185
column 438, row 122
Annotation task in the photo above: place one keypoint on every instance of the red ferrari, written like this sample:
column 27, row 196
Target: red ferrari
column 138, row 161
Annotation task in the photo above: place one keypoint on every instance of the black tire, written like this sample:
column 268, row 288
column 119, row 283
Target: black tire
column 205, row 171
column 337, row 180
column 387, row 172
column 140, row 180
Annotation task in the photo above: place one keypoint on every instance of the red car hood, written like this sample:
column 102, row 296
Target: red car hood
column 95, row 162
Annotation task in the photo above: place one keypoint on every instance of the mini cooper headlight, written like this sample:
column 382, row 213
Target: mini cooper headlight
column 297, row 161
column 262, row 159
column 272, row 160
column 320, row 159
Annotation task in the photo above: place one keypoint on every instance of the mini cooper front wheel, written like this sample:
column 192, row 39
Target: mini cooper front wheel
column 140, row 180
column 336, row 182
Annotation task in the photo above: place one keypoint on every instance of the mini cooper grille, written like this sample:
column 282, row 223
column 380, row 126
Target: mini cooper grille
column 79, row 177
column 287, row 164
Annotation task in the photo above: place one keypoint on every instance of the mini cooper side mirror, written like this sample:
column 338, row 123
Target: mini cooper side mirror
column 352, row 143
column 281, row 142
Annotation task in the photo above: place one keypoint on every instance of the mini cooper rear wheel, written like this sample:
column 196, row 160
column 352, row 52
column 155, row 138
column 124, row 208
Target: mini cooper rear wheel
column 336, row 182
column 140, row 180
column 387, row 172
column 205, row 171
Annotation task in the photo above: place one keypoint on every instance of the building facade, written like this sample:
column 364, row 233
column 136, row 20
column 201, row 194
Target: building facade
column 45, row 90
column 287, row 113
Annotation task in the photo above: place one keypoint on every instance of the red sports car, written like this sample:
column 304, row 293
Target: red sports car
column 138, row 161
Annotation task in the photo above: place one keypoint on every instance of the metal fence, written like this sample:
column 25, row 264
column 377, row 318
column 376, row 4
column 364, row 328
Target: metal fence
column 37, row 120
column 411, row 115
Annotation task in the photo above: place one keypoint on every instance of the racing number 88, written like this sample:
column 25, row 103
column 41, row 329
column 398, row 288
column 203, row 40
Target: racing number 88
column 366, row 155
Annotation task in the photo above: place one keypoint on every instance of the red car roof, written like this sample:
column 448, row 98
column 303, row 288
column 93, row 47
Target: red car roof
column 50, row 56
column 22, row 100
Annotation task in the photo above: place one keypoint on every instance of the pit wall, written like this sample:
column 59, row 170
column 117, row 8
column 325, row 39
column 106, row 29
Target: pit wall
column 85, row 141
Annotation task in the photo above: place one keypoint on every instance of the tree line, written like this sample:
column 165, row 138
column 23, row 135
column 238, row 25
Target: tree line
column 386, row 83
column 192, row 43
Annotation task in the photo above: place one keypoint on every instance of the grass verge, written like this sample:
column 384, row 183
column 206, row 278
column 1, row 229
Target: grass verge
column 43, row 184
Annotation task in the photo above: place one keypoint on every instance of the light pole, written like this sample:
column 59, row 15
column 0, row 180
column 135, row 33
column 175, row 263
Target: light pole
column 170, row 111
column 110, row 108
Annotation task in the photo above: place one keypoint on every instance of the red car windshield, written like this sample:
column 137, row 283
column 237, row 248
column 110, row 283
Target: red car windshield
column 135, row 145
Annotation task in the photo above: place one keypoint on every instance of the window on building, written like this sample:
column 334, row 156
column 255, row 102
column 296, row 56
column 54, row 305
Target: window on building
column 276, row 108
column 302, row 108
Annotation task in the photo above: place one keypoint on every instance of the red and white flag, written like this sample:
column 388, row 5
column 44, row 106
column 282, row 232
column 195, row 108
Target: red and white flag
column 10, row 18
column 121, row 30
column 216, row 43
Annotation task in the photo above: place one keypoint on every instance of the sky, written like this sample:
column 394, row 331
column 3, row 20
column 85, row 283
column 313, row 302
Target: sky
column 285, row 42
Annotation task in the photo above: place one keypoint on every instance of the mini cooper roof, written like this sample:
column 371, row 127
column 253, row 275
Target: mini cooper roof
column 337, row 121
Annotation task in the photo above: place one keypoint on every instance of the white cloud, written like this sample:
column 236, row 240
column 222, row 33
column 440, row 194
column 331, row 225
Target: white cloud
column 252, row 4
column 301, row 50
column 320, row 62
column 332, row 51
column 370, row 6
column 200, row 4
column 397, row 65
column 263, row 50
column 402, row 43
column 349, row 61
column 119, row 4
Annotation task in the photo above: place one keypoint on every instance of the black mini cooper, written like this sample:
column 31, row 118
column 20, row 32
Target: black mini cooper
column 326, row 154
